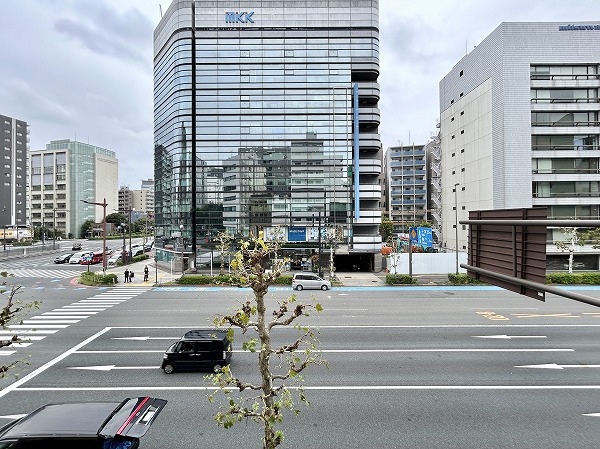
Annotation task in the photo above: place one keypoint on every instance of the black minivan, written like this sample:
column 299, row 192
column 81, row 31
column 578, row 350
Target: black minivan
column 200, row 349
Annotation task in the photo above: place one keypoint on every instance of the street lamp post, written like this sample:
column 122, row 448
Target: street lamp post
column 53, row 228
column 103, row 204
column 123, row 249
column 130, row 249
column 456, row 221
column 181, row 247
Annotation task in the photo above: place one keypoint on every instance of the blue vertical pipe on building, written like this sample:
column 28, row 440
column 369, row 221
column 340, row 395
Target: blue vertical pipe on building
column 356, row 156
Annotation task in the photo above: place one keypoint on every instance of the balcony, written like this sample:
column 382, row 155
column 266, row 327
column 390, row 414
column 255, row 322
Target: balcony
column 369, row 166
column 370, row 192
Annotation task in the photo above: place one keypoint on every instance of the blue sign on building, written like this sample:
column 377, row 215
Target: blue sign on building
column 296, row 234
column 239, row 17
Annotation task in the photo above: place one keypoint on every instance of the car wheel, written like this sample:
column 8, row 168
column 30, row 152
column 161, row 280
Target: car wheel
column 217, row 367
column 324, row 287
column 298, row 287
column 168, row 369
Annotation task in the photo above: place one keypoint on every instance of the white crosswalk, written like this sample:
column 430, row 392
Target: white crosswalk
column 40, row 326
column 48, row 274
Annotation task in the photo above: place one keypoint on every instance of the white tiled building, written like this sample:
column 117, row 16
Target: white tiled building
column 520, row 126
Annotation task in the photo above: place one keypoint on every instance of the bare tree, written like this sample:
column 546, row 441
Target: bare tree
column 334, row 238
column 11, row 313
column 275, row 364
column 574, row 238
column 224, row 245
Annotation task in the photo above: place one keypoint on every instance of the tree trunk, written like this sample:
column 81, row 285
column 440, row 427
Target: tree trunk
column 269, row 441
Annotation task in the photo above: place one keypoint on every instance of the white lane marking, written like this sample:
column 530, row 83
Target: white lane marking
column 7, row 352
column 67, row 312
column 591, row 414
column 446, row 326
column 327, row 387
column 67, row 317
column 41, row 326
column 556, row 366
column 29, row 337
column 353, row 351
column 36, row 331
column 146, row 338
column 49, row 364
column 19, row 345
column 509, row 337
column 347, row 310
column 57, row 321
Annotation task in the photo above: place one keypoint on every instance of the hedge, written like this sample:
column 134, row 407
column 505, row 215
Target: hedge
column 226, row 279
column 94, row 278
column 462, row 279
column 572, row 278
column 396, row 279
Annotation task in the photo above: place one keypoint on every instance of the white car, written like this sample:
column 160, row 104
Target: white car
column 114, row 260
column 77, row 257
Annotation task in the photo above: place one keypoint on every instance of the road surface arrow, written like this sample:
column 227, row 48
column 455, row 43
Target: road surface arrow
column 147, row 338
column 508, row 337
column 110, row 367
column 556, row 366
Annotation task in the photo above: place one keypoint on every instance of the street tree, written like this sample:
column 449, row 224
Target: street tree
column 333, row 240
column 573, row 238
column 86, row 228
column 12, row 313
column 224, row 240
column 386, row 229
column 116, row 218
column 276, row 365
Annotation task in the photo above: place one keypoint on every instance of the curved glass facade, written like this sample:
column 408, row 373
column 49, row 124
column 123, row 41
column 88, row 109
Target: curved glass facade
column 274, row 119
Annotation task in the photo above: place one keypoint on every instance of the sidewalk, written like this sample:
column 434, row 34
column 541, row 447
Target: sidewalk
column 348, row 279
column 155, row 276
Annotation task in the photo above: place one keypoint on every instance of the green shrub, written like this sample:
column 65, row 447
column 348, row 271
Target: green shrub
column 396, row 279
column 195, row 279
column 95, row 278
column 284, row 279
column 572, row 278
column 462, row 279
column 225, row 279
column 590, row 278
column 140, row 258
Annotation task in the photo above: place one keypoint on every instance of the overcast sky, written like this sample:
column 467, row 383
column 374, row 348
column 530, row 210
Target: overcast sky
column 82, row 69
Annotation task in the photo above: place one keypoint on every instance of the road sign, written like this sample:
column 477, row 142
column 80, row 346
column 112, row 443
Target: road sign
column 421, row 236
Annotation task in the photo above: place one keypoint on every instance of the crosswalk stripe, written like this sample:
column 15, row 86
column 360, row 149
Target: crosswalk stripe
column 60, row 318
column 48, row 274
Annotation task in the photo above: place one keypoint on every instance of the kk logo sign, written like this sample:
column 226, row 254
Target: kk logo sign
column 239, row 17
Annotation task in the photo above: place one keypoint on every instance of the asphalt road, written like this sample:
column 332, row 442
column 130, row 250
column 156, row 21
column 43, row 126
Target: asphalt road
column 412, row 367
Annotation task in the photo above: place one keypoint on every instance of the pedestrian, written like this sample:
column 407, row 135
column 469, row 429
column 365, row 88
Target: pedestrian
column 131, row 276
column 146, row 273
column 126, row 276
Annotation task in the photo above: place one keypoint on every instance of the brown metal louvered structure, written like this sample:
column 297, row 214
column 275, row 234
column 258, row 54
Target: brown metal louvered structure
column 507, row 248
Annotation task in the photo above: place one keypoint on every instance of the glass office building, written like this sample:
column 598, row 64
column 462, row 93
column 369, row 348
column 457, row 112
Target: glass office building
column 266, row 121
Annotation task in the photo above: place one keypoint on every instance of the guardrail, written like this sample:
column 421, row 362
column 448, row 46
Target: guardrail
column 13, row 252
